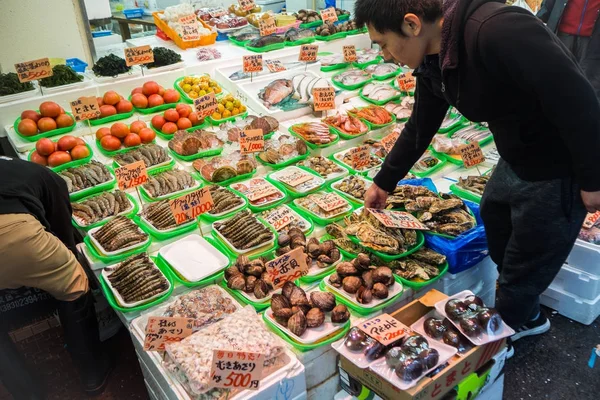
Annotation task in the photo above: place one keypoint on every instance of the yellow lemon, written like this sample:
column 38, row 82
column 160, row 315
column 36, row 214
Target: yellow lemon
column 202, row 92
column 226, row 114
column 237, row 103
column 216, row 115
column 229, row 105
column 220, row 107
column 235, row 111
column 193, row 95
column 217, row 89
column 242, row 109
column 196, row 88
column 187, row 87
column 187, row 79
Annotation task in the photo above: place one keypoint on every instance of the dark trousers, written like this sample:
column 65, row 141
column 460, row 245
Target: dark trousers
column 587, row 52
column 531, row 228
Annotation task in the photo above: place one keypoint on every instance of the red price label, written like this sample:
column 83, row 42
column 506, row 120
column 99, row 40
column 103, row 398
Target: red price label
column 275, row 65
column 85, row 108
column 138, row 55
column 324, row 98
column 267, row 26
column 389, row 141
column 246, row 5
column 252, row 141
column 206, row 105
column 397, row 219
column 288, row 267
column 330, row 201
column 349, row 53
column 406, row 82
column 329, row 15
column 253, row 63
column 161, row 330
column 360, row 157
column 259, row 191
column 189, row 206
column 308, row 52
column 236, row 369
column 471, row 154
column 280, row 218
column 591, row 219
column 384, row 328
column 33, row 70
column 131, row 175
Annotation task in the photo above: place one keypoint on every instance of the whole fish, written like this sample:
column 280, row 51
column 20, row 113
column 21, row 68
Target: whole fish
column 379, row 91
column 276, row 92
column 381, row 69
column 352, row 77
column 294, row 34
column 265, row 41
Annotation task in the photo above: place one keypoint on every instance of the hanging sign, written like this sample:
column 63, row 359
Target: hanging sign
column 398, row 219
column 138, row 55
column 324, row 98
column 33, row 70
column 161, row 330
column 288, row 267
column 252, row 141
column 189, row 206
column 85, row 108
column 384, row 328
column 253, row 63
column 471, row 154
column 308, row 52
column 236, row 369
column 131, row 175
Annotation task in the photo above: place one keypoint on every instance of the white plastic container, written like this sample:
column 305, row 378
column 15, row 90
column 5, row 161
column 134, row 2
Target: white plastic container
column 579, row 283
column 585, row 257
column 476, row 279
column 571, row 306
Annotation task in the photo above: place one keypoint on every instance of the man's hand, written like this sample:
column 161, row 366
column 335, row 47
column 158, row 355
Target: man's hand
column 591, row 200
column 375, row 197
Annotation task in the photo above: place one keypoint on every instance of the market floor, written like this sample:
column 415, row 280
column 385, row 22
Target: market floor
column 552, row 366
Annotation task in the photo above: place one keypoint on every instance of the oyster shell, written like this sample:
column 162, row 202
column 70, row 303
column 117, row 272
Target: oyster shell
column 340, row 314
column 282, row 250
column 314, row 318
column 297, row 323
column 324, row 301
column 351, row 284
column 383, row 275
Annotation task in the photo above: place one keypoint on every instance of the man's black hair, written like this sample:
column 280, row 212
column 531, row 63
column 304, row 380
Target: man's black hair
column 388, row 15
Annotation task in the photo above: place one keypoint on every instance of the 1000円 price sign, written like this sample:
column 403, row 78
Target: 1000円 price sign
column 251, row 141
column 189, row 206
column 236, row 369
column 324, row 98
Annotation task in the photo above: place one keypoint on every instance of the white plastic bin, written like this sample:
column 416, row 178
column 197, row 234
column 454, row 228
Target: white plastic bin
column 585, row 257
column 578, row 283
column 477, row 279
column 571, row 306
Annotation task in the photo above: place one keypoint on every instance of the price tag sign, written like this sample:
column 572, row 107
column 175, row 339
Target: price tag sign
column 189, row 19
column 138, row 55
column 324, row 98
column 217, row 12
column 190, row 32
column 288, row 267
column 189, row 206
column 253, row 63
column 260, row 191
column 349, row 53
column 33, row 70
column 389, row 141
column 295, row 177
column 384, row 328
column 398, row 219
column 161, row 330
column 406, row 82
column 267, row 26
column 590, row 219
column 206, row 105
column 131, row 175
column 236, row 369
column 329, row 15
column 471, row 154
column 308, row 52
column 275, row 65
column 330, row 201
column 246, row 5
column 361, row 157
column 252, row 141
column 280, row 218
column 85, row 108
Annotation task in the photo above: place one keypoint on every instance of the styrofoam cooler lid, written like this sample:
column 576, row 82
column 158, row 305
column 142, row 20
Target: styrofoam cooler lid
column 268, row 2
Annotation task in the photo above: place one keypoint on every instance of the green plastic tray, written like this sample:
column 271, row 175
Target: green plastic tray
column 350, row 87
column 306, row 347
column 313, row 145
column 284, row 164
column 257, row 209
column 419, row 285
column 362, row 310
column 389, row 257
column 334, row 67
column 70, row 164
column 335, row 36
column 377, row 102
column 357, row 31
column 226, row 182
column 301, row 41
column 117, row 258
column 455, row 126
column 241, row 299
column 48, row 134
column 217, row 122
column 373, row 126
column 203, row 125
column 465, row 194
column 344, row 135
column 364, row 65
column 241, row 43
column 102, row 187
column 134, row 210
column 110, row 118
column 170, row 165
column 113, row 302
column 265, row 49
column 151, row 110
column 313, row 24
column 430, row 171
column 387, row 76
column 201, row 154
column 315, row 218
column 481, row 143
column 158, row 235
column 289, row 191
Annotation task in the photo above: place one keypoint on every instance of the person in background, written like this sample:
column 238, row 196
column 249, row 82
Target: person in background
column 576, row 23
column 499, row 64
column 37, row 249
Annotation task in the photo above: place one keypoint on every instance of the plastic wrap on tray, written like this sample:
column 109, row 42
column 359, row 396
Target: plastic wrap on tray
column 190, row 360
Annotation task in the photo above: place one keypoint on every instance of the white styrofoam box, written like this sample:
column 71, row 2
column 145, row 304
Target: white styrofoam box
column 327, row 389
column 321, row 368
column 585, row 257
column 272, row 5
column 475, row 279
column 579, row 283
column 571, row 306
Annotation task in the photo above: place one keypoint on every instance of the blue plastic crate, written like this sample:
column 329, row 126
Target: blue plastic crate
column 133, row 13
column 222, row 36
column 101, row 33
column 77, row 64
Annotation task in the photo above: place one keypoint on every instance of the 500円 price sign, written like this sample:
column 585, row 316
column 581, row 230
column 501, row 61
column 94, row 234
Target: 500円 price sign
column 189, row 206
column 33, row 70
column 131, row 175
column 138, row 55
column 206, row 105
column 288, row 267
column 160, row 330
column 85, row 108
column 236, row 369
column 384, row 328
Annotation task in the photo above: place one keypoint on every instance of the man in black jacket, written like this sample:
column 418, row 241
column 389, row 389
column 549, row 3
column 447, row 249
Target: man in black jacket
column 500, row 64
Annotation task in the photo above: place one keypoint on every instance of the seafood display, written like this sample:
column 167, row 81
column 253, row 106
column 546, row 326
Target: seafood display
column 413, row 359
column 267, row 124
column 289, row 94
column 366, row 55
column 296, row 221
column 451, row 119
column 168, row 182
column 258, row 191
column 159, row 215
column 323, row 166
column 347, row 124
column 152, row 154
column 224, row 200
column 227, row 22
column 137, row 279
column 294, row 34
column 472, row 133
column 245, row 34
column 403, row 194
column 219, row 169
column 281, row 148
column 422, row 265
column 446, row 215
column 308, row 16
column 401, row 110
column 243, row 231
column 189, row 143
column 314, row 132
column 100, row 207
column 311, row 201
column 354, row 186
column 297, row 180
column 474, row 183
column 359, row 278
column 119, row 233
column 472, row 317
column 322, row 254
column 351, row 77
column 85, row 176
column 332, row 59
column 382, row 69
column 374, row 114
column 425, row 162
column 358, row 342
column 379, row 91
column 329, row 28
column 249, row 277
column 349, row 158
column 264, row 41
column 206, row 306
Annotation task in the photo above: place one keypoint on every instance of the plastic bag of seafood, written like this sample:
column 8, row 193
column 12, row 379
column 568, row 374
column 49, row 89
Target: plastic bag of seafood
column 190, row 359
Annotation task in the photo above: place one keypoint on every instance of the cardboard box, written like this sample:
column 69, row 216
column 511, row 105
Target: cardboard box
column 433, row 388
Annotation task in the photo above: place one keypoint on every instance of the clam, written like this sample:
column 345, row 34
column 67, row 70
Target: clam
column 470, row 326
column 298, row 297
column 279, row 301
column 250, row 283
column 237, row 282
column 346, row 268
column 270, row 156
column 287, row 289
column 261, row 289
column 340, row 314
column 367, row 278
column 364, row 295
column 489, row 319
column 242, row 262
column 231, row 271
column 327, row 246
column 283, row 315
column 380, row 291
column 383, row 275
column 255, row 270
column 297, row 323
column 324, row 301
column 315, row 318
column 334, row 254
column 335, row 280
column 454, row 309
column 363, row 260
column 374, row 349
column 304, row 308
column 394, row 357
column 282, row 250
column 351, row 284
column 313, row 249
column 410, row 369
column 283, row 240
column 434, row 328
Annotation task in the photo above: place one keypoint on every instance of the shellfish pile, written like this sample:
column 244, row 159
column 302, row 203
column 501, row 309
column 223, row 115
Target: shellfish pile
column 323, row 254
column 243, row 231
column 363, row 280
column 314, row 132
column 404, row 194
column 223, row 200
column 206, row 306
column 137, row 279
column 374, row 114
column 167, row 182
column 152, row 154
column 474, row 183
column 422, row 265
column 353, row 185
column 281, row 148
column 189, row 143
column 322, row 165
column 446, row 215
column 159, row 214
column 219, row 169
column 118, row 233
column 85, row 176
column 99, row 207
column 347, row 124
column 249, row 277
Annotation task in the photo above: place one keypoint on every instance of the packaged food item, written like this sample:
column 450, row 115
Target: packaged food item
column 258, row 191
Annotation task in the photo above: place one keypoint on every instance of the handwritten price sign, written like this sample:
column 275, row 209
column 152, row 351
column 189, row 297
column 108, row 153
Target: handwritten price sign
column 85, row 108
column 308, row 52
column 406, row 82
column 138, row 55
column 253, row 63
column 471, row 154
column 260, row 191
column 361, row 157
column 161, row 330
column 246, row 5
column 267, row 26
column 189, row 19
column 389, row 141
column 236, row 369
column 591, row 219
column 324, row 99
column 252, row 141
column 330, row 201
column 206, row 105
column 288, row 267
column 131, row 175
column 280, row 218
column 32, row 70
column 384, row 328
column 397, row 219
column 295, row 177
column 190, row 32
column 275, row 65
column 349, row 53
column 189, row 206
column 329, row 15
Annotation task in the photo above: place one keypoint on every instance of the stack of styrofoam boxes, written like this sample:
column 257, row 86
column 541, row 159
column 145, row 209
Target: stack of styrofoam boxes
column 575, row 292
